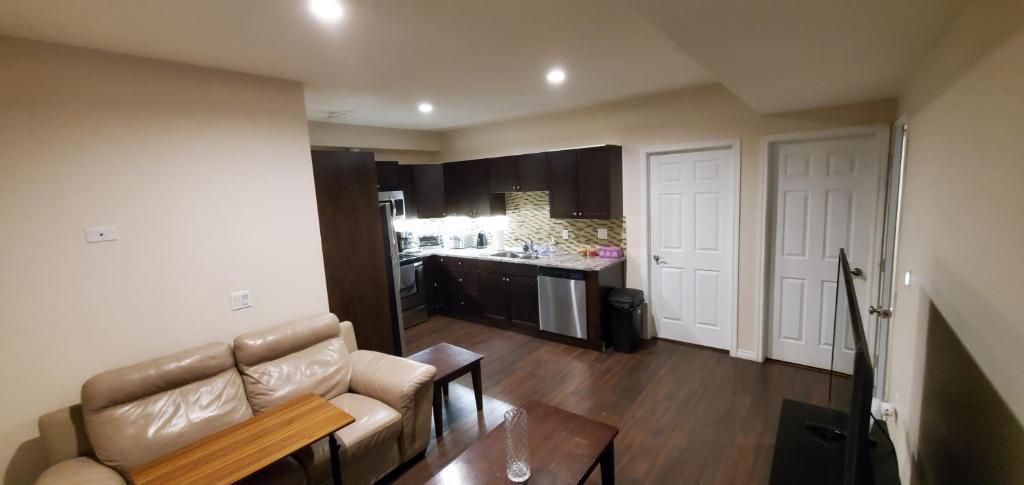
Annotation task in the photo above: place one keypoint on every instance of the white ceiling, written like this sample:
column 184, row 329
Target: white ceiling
column 788, row 55
column 484, row 60
column 475, row 60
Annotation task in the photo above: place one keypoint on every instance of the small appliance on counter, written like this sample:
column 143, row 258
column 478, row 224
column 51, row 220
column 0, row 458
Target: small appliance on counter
column 457, row 241
column 405, row 240
column 481, row 240
column 431, row 241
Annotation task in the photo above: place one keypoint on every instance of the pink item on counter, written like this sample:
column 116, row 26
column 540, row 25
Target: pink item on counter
column 609, row 252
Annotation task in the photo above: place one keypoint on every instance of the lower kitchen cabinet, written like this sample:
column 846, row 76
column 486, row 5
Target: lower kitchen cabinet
column 505, row 295
column 508, row 294
column 522, row 301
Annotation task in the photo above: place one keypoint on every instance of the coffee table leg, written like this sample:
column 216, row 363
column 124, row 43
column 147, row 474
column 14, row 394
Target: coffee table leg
column 332, row 441
column 444, row 389
column 608, row 464
column 437, row 410
column 478, row 388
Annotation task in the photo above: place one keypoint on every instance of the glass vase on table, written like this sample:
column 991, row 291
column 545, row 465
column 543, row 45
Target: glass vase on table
column 516, row 445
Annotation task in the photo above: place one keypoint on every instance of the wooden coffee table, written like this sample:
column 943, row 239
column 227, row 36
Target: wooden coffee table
column 451, row 362
column 564, row 448
column 240, row 450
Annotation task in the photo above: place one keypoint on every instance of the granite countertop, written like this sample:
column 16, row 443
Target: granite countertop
column 557, row 260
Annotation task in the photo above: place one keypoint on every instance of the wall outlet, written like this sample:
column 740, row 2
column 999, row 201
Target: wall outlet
column 602, row 233
column 100, row 234
column 240, row 300
column 565, row 234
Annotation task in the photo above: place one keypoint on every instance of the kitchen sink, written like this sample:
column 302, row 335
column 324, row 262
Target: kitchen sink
column 506, row 254
column 514, row 255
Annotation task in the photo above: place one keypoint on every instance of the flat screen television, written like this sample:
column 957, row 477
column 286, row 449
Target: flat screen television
column 830, row 445
column 857, row 457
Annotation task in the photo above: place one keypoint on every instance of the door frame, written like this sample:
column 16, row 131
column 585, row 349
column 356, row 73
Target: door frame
column 646, row 152
column 881, row 132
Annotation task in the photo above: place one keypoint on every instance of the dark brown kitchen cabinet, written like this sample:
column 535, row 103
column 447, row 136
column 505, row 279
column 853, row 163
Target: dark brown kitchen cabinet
column 502, row 176
column 522, row 173
column 358, row 288
column 586, row 183
column 455, row 285
column 533, row 172
column 429, row 185
column 562, row 180
column 467, row 190
column 508, row 294
column 387, row 176
column 407, row 184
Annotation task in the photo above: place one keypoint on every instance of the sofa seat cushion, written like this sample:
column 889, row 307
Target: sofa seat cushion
column 375, row 423
column 81, row 470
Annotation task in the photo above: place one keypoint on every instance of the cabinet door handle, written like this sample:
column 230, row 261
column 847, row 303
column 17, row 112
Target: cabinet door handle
column 460, row 280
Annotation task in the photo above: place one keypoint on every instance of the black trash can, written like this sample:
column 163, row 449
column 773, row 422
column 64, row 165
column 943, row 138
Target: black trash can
column 626, row 318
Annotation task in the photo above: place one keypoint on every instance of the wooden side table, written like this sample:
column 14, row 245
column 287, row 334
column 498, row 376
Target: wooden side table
column 451, row 362
column 240, row 450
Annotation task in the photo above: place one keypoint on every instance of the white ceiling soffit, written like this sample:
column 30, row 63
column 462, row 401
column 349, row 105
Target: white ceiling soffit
column 475, row 60
column 788, row 55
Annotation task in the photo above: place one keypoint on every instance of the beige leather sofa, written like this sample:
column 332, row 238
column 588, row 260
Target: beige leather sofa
column 134, row 414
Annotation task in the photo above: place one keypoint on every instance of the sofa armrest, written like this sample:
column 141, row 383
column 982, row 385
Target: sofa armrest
column 405, row 385
column 80, row 471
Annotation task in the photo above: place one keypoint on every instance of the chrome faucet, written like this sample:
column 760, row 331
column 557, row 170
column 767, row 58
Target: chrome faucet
column 528, row 246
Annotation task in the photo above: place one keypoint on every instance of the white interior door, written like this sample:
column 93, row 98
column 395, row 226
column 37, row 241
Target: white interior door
column 693, row 224
column 826, row 198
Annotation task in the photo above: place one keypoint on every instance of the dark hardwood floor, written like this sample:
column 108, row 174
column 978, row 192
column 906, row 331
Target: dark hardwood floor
column 685, row 414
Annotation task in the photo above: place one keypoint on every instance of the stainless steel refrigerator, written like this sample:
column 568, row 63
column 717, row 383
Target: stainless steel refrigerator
column 387, row 213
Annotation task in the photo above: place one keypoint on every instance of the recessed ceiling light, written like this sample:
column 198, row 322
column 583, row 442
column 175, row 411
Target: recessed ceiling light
column 425, row 107
column 326, row 10
column 556, row 76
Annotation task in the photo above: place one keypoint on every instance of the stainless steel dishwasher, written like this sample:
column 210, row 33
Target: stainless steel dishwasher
column 563, row 301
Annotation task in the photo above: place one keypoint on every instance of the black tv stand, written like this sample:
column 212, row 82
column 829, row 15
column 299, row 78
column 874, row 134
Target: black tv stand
column 826, row 433
column 810, row 447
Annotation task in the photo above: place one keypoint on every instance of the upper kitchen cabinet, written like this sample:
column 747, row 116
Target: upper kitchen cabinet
column 523, row 173
column 388, row 177
column 467, row 190
column 407, row 184
column 533, row 172
column 429, row 183
column 586, row 183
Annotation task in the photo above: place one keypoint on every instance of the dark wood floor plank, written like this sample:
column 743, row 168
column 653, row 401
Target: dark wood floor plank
column 685, row 414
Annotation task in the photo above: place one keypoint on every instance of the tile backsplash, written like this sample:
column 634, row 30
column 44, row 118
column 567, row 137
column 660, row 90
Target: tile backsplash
column 528, row 216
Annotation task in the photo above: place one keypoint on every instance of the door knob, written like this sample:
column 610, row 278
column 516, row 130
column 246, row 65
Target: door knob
column 659, row 260
column 857, row 272
column 881, row 312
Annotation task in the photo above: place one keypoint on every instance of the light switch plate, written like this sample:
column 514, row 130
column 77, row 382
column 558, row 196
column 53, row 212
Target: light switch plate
column 100, row 234
column 565, row 234
column 602, row 233
column 240, row 300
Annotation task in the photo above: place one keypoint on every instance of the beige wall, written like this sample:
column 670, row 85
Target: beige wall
column 406, row 157
column 691, row 115
column 208, row 177
column 963, row 226
column 340, row 135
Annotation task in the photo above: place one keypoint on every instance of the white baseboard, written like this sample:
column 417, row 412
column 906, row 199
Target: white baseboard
column 745, row 354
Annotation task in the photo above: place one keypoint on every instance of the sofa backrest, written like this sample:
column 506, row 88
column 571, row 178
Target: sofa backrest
column 63, row 434
column 141, row 412
column 285, row 361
